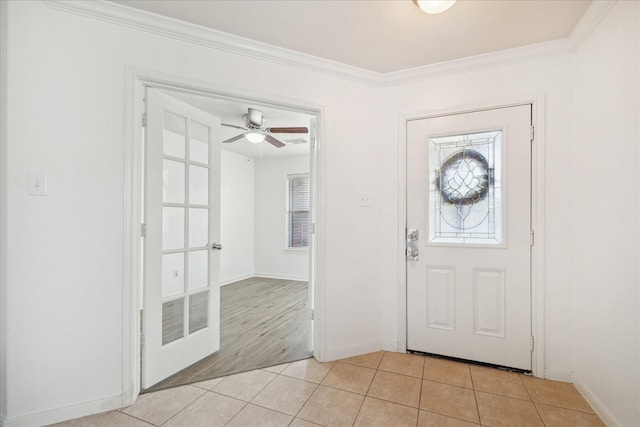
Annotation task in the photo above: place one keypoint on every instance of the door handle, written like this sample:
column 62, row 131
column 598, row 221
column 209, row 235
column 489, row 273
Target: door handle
column 412, row 245
column 215, row 246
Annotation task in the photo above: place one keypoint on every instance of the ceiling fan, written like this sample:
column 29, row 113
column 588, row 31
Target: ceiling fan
column 256, row 132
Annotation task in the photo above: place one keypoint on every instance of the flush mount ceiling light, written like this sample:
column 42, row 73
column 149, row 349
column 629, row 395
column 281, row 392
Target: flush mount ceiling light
column 434, row 6
column 254, row 137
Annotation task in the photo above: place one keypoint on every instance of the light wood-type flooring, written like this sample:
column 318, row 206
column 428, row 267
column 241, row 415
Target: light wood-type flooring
column 264, row 322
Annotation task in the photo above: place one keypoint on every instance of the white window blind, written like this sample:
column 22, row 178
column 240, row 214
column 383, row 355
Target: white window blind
column 298, row 211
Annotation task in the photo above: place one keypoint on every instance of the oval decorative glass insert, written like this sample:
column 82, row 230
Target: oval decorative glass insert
column 464, row 178
column 465, row 188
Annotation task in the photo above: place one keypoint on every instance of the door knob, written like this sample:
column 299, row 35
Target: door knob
column 217, row 246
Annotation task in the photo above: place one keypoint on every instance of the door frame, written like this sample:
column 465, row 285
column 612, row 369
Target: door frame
column 537, row 102
column 136, row 80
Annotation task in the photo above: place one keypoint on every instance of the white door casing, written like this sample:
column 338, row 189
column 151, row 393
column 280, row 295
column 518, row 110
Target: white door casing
column 181, row 298
column 469, row 292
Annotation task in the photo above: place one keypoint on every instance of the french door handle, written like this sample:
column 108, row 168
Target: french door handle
column 217, row 246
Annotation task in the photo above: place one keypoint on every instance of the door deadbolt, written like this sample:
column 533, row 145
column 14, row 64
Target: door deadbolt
column 412, row 245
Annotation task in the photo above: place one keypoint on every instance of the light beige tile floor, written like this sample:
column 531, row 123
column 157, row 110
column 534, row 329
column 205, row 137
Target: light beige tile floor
column 376, row 389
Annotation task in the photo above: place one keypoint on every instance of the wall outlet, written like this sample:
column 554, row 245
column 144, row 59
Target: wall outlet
column 365, row 199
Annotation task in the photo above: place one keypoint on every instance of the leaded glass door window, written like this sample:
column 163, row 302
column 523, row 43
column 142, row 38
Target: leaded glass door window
column 465, row 189
column 468, row 213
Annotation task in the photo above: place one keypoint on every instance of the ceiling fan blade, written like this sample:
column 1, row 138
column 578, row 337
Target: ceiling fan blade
column 255, row 117
column 296, row 141
column 288, row 130
column 276, row 143
column 233, row 126
column 234, row 139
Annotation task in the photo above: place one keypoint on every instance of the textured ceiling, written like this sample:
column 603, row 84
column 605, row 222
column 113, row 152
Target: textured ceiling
column 381, row 35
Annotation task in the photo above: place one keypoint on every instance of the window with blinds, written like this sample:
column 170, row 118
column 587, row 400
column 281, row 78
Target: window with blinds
column 298, row 211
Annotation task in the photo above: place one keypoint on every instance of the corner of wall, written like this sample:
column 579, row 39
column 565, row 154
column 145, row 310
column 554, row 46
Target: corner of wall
column 388, row 345
column 3, row 210
column 638, row 311
column 352, row 350
column 600, row 408
column 558, row 375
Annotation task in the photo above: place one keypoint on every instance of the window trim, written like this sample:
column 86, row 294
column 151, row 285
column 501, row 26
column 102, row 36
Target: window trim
column 288, row 212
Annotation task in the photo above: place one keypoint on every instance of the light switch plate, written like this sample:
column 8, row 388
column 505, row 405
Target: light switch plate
column 36, row 184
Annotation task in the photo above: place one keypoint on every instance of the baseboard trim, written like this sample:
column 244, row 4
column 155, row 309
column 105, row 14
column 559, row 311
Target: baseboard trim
column 65, row 413
column 236, row 279
column 282, row 276
column 556, row 375
column 605, row 415
column 390, row 346
column 352, row 350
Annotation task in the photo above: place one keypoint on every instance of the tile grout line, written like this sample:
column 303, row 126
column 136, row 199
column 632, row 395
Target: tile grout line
column 284, row 413
column 247, row 402
column 475, row 396
column 189, row 404
column 115, row 412
column 306, row 400
column 366, row 393
column 139, row 419
column 236, row 414
column 424, row 364
column 317, row 385
column 531, row 399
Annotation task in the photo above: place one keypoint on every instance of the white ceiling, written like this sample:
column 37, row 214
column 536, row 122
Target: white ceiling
column 381, row 35
column 376, row 35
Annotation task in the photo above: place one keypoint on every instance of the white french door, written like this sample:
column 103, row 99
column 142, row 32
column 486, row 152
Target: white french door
column 469, row 236
column 181, row 296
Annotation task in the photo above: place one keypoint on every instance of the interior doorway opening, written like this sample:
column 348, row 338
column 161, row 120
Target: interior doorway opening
column 266, row 254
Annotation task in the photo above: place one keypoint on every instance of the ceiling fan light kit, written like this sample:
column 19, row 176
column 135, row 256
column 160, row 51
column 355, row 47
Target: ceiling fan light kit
column 254, row 137
column 256, row 132
column 434, row 6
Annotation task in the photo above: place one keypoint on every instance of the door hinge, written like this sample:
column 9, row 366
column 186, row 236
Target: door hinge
column 143, row 230
column 144, row 120
column 532, row 238
column 312, row 315
column 531, row 343
column 143, row 341
column 313, row 228
column 533, row 132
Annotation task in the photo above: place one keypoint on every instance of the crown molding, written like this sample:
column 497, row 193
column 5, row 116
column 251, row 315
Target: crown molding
column 554, row 48
column 196, row 34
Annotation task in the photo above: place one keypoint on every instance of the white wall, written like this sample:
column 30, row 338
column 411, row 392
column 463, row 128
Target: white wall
column 604, row 227
column 64, row 274
column 236, row 217
column 253, row 226
column 271, row 258
column 64, row 277
column 553, row 79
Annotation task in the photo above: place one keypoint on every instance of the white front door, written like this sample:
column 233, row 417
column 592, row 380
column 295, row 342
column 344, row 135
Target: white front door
column 181, row 301
column 469, row 219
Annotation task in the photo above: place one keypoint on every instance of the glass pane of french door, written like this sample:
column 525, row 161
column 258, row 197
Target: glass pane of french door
column 185, row 227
